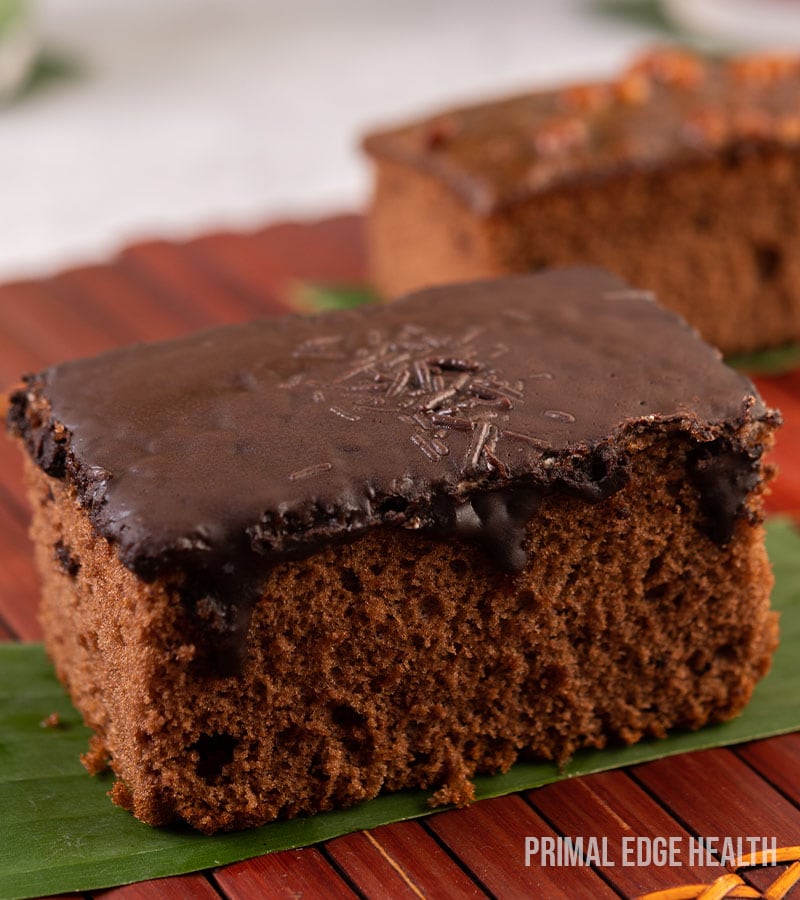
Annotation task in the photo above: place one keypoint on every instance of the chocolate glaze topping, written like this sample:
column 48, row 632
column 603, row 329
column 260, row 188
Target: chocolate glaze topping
column 455, row 410
column 669, row 107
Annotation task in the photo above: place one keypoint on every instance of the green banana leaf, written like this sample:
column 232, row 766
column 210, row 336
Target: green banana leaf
column 306, row 297
column 60, row 832
column 767, row 362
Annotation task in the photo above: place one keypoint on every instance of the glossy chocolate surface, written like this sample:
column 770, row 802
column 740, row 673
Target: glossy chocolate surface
column 452, row 411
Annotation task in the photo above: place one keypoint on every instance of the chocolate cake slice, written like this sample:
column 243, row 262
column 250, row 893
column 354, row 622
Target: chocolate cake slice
column 289, row 564
column 678, row 171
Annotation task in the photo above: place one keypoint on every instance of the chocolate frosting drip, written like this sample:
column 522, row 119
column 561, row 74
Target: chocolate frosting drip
column 210, row 458
column 496, row 520
column 669, row 107
column 724, row 476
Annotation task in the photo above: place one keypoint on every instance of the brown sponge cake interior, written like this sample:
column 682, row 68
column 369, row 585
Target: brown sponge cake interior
column 545, row 537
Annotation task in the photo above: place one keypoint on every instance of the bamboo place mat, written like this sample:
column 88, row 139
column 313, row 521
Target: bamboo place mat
column 158, row 289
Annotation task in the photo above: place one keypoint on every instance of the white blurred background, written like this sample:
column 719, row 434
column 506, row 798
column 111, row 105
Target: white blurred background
column 168, row 117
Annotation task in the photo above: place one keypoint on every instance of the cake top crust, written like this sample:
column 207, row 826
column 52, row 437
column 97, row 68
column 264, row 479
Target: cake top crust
column 266, row 439
column 668, row 107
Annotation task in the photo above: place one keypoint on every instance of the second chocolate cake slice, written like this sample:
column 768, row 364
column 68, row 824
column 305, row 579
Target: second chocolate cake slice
column 293, row 563
column 679, row 171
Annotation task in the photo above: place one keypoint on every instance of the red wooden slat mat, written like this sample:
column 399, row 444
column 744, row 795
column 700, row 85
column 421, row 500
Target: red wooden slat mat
column 160, row 289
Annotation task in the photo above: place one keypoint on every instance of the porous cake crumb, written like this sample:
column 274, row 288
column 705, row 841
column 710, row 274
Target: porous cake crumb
column 291, row 564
